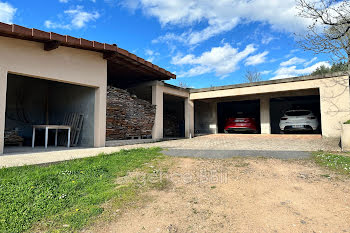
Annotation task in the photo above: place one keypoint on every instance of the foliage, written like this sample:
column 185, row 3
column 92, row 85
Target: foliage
column 347, row 122
column 336, row 67
column 64, row 197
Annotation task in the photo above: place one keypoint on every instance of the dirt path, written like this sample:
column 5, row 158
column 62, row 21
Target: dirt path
column 243, row 195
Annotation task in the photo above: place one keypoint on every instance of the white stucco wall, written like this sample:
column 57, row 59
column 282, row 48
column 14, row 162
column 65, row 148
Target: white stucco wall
column 334, row 99
column 69, row 65
column 158, row 90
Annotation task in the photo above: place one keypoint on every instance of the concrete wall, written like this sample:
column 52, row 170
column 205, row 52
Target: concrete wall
column 28, row 96
column 66, row 98
column 158, row 90
column 265, row 115
column 205, row 117
column 64, row 64
column 334, row 99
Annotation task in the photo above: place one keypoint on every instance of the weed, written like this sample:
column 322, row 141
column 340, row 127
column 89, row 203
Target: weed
column 338, row 163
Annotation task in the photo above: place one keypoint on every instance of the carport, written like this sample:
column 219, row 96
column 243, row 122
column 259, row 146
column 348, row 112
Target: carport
column 45, row 75
column 33, row 101
column 327, row 97
column 245, row 108
column 309, row 100
column 173, row 116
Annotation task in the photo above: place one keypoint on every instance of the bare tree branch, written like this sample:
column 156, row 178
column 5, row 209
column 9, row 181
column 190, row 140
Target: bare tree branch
column 329, row 31
column 252, row 76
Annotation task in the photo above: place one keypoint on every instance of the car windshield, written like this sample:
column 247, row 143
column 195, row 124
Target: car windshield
column 298, row 113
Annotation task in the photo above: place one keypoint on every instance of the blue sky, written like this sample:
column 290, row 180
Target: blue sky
column 204, row 42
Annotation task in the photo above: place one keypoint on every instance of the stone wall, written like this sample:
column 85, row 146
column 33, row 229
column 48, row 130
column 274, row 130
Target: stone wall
column 128, row 116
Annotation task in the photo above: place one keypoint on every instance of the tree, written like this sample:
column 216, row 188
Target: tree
column 252, row 76
column 329, row 30
column 336, row 67
column 322, row 70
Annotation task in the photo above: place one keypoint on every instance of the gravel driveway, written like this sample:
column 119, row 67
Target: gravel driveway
column 255, row 143
column 241, row 195
column 210, row 146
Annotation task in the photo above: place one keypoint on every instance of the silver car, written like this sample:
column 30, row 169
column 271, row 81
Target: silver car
column 298, row 120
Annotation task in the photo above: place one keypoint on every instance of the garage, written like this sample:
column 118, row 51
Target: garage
column 296, row 104
column 173, row 116
column 246, row 110
column 34, row 101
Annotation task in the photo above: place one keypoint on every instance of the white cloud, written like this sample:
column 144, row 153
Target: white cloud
column 293, row 71
column 220, row 16
column 63, row 1
column 78, row 19
column 265, row 72
column 221, row 60
column 311, row 61
column 267, row 39
column 7, row 12
column 293, row 61
column 256, row 59
column 151, row 55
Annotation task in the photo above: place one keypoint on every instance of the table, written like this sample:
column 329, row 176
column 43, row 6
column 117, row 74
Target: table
column 47, row 127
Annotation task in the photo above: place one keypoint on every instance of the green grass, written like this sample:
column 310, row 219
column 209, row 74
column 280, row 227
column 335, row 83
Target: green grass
column 65, row 197
column 334, row 162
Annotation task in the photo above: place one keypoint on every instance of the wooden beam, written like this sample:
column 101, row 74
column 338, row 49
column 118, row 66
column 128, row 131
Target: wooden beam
column 109, row 55
column 51, row 45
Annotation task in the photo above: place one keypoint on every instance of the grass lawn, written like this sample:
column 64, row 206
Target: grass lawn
column 67, row 196
column 338, row 163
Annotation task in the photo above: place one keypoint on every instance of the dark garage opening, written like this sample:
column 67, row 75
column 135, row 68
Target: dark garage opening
column 173, row 116
column 34, row 101
column 278, row 106
column 249, row 108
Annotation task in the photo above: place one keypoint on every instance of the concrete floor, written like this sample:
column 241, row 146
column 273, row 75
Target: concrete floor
column 222, row 144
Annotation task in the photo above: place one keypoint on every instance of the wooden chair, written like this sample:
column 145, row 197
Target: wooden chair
column 75, row 121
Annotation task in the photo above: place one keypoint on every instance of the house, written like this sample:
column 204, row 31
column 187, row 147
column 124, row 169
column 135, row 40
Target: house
column 44, row 76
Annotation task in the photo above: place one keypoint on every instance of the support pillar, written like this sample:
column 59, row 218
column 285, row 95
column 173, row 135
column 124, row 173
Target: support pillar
column 214, row 116
column 265, row 115
column 157, row 99
column 189, row 118
column 3, row 89
column 100, row 116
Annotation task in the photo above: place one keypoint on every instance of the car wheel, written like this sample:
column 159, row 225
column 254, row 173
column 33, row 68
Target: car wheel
column 281, row 132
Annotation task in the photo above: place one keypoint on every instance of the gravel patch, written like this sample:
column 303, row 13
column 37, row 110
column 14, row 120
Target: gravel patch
column 223, row 154
column 231, row 142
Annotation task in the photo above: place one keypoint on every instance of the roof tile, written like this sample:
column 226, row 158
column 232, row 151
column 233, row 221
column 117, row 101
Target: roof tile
column 98, row 45
column 110, row 47
column 41, row 35
column 17, row 31
column 23, row 31
column 58, row 37
column 86, row 43
column 4, row 27
column 123, row 51
column 72, row 40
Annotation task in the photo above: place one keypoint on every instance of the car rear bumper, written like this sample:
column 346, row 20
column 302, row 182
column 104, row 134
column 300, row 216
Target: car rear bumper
column 298, row 127
column 239, row 129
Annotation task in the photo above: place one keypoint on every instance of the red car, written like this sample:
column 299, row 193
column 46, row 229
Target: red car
column 240, row 124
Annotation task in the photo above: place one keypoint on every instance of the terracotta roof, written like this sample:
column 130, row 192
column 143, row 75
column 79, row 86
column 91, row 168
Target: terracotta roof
column 32, row 34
